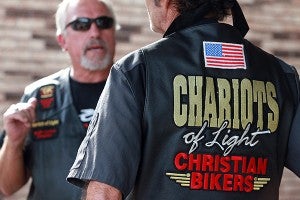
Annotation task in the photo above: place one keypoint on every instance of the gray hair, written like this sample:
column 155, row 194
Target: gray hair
column 62, row 10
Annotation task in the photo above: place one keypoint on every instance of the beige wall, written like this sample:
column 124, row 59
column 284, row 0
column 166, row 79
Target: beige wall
column 28, row 49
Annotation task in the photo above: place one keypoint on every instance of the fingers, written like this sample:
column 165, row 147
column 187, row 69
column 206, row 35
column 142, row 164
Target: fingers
column 22, row 112
column 14, row 114
column 33, row 102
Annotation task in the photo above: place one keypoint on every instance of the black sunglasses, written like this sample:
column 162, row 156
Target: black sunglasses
column 84, row 23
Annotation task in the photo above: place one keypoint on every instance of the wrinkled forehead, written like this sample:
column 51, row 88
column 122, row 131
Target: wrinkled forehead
column 87, row 8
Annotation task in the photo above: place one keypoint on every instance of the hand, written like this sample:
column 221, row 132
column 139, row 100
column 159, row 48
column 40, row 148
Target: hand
column 101, row 191
column 17, row 120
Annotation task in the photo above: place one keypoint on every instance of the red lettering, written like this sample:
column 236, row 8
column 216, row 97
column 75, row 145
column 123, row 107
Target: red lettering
column 196, row 181
column 195, row 162
column 244, row 165
column 225, row 164
column 262, row 166
column 238, row 183
column 227, row 182
column 215, row 182
column 236, row 160
column 206, row 181
column 212, row 181
column 207, row 163
column 211, row 172
column 217, row 163
column 44, row 134
column 248, row 183
column 251, row 169
column 180, row 161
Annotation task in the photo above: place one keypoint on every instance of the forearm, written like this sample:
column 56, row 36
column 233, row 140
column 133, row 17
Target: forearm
column 13, row 174
column 100, row 191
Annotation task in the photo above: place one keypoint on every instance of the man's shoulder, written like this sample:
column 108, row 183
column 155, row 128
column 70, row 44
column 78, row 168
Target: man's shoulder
column 129, row 61
column 136, row 58
column 53, row 79
column 261, row 54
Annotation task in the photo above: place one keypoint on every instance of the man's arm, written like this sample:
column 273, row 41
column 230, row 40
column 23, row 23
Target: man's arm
column 101, row 191
column 13, row 174
column 17, row 123
column 293, row 158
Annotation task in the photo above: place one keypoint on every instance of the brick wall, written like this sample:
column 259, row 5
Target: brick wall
column 28, row 49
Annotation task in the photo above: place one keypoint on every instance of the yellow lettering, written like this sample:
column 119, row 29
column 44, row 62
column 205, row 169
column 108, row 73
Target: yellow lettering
column 246, row 102
column 195, row 100
column 236, row 105
column 224, row 102
column 180, row 109
column 210, row 110
column 259, row 96
column 273, row 117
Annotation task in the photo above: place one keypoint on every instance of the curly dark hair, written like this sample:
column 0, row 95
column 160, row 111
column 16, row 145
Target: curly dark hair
column 219, row 8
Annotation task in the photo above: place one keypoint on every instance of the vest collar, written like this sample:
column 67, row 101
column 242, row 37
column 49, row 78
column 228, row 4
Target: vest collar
column 196, row 17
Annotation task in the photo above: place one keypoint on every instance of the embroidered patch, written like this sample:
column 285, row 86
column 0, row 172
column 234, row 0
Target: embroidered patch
column 46, row 97
column 85, row 116
column 220, row 173
column 224, row 55
column 45, row 129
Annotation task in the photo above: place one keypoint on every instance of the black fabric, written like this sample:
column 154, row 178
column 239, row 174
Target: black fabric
column 196, row 17
column 188, row 19
column 293, row 158
column 2, row 136
column 85, row 95
column 49, row 159
column 239, row 20
column 214, row 133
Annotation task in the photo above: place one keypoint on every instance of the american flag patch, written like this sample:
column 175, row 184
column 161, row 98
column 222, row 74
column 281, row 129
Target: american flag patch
column 224, row 55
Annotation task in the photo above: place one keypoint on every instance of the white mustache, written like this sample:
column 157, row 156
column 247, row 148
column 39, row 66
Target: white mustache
column 94, row 42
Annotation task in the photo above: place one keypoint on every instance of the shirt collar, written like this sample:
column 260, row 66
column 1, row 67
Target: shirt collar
column 190, row 18
column 197, row 17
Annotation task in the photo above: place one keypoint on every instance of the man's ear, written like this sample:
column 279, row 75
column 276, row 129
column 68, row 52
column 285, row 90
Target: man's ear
column 62, row 42
column 164, row 3
column 170, row 9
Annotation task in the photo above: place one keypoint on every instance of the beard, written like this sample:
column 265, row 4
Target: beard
column 96, row 62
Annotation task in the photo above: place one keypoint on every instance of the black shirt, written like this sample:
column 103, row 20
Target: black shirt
column 85, row 97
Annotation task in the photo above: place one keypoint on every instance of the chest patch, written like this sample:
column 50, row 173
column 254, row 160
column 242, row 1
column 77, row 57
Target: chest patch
column 46, row 97
column 45, row 129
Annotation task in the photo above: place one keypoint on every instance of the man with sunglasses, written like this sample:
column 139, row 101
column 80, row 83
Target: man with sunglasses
column 200, row 114
column 43, row 132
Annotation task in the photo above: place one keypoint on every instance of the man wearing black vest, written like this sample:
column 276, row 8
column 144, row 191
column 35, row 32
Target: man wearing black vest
column 43, row 132
column 200, row 114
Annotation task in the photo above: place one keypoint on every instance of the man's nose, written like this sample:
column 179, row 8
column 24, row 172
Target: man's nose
column 94, row 30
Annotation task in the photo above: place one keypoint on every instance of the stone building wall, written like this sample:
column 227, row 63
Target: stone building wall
column 28, row 49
